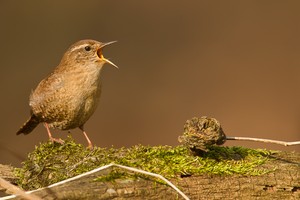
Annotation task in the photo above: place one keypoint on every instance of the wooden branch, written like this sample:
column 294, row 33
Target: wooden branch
column 282, row 182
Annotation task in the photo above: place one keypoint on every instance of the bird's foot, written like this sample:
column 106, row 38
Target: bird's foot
column 58, row 140
column 90, row 146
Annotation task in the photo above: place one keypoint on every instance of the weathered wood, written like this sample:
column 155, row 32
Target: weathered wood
column 283, row 183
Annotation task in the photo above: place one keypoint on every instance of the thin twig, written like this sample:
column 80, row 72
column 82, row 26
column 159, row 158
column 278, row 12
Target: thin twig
column 106, row 167
column 154, row 175
column 263, row 140
column 17, row 191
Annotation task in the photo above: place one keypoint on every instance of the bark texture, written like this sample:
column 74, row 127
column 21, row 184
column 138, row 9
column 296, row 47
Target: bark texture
column 282, row 183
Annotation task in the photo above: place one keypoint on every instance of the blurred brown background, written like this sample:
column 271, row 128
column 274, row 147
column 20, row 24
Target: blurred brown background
column 237, row 61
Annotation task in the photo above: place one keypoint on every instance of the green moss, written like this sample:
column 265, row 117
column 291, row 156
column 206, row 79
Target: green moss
column 50, row 163
column 112, row 176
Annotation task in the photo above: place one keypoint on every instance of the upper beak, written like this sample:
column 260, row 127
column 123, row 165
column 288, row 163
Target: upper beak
column 99, row 53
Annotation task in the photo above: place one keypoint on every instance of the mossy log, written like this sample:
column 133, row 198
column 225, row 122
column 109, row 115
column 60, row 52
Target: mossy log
column 281, row 183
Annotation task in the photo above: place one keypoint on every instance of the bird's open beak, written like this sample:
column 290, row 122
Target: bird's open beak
column 100, row 54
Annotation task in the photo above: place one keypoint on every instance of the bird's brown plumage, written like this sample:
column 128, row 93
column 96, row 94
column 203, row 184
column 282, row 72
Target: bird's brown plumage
column 68, row 97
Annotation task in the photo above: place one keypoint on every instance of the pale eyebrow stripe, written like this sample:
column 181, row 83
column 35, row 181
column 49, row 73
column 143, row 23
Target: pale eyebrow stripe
column 78, row 47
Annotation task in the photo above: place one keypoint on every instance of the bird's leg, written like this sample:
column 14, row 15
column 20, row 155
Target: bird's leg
column 90, row 146
column 52, row 139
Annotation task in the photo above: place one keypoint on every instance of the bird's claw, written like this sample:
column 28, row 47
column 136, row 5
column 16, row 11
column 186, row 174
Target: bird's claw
column 57, row 140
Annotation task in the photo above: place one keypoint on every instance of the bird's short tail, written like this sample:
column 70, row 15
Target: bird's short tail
column 31, row 123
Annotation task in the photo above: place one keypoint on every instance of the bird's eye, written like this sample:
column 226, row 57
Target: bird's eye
column 87, row 48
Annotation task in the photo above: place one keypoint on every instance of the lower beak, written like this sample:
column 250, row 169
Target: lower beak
column 100, row 54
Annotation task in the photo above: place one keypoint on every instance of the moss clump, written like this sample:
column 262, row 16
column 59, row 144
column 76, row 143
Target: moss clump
column 50, row 163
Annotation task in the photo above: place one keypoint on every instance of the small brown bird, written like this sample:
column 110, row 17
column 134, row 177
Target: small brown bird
column 68, row 97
